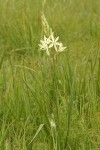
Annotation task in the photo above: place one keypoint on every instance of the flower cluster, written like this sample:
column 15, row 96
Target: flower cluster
column 51, row 42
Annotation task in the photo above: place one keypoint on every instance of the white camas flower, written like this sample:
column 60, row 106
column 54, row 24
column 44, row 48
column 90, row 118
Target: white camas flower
column 44, row 45
column 61, row 48
column 51, row 42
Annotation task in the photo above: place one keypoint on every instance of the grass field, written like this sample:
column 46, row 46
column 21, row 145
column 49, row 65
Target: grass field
column 48, row 104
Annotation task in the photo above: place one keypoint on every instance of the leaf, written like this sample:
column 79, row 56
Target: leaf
column 38, row 131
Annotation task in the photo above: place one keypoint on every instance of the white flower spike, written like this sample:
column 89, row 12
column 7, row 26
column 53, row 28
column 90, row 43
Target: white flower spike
column 51, row 42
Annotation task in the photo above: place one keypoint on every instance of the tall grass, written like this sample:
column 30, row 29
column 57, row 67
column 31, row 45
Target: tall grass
column 45, row 104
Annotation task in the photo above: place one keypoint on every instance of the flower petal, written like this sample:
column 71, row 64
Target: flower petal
column 52, row 38
column 51, row 45
column 56, row 39
column 61, row 49
column 45, row 39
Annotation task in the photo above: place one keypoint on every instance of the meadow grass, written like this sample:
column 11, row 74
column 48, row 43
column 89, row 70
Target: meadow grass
column 47, row 105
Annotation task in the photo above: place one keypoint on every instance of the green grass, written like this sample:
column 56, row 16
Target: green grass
column 34, row 90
